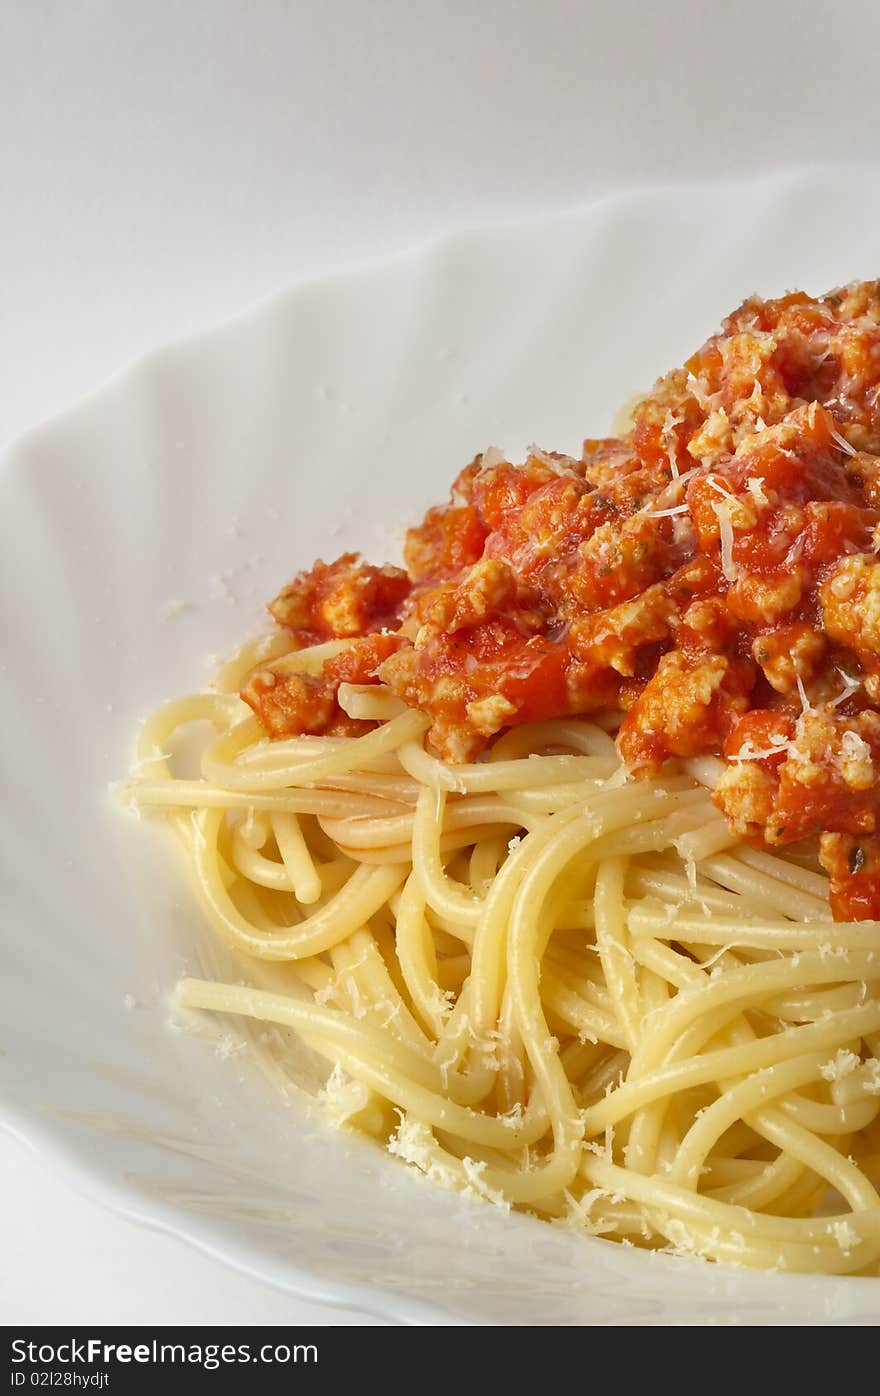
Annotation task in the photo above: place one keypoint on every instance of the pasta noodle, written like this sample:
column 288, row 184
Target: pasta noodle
column 538, row 980
column 646, row 1008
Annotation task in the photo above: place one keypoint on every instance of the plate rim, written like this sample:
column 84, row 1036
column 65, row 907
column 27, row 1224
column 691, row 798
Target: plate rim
column 784, row 178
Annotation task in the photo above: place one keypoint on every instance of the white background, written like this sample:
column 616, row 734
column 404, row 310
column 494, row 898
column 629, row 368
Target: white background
column 164, row 165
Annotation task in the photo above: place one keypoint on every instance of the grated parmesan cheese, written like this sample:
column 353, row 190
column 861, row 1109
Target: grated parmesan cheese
column 748, row 752
column 756, row 489
column 843, row 443
column 840, row 1065
column 725, row 528
column 851, row 686
column 806, row 706
column 871, row 1083
column 721, row 490
column 341, row 1098
column 667, row 513
column 845, row 1235
column 474, row 1172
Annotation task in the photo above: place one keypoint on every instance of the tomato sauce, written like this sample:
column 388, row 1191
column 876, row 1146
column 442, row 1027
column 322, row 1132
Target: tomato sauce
column 712, row 574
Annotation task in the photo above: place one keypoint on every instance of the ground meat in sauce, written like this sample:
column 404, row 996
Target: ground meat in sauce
column 340, row 601
column 712, row 573
column 295, row 704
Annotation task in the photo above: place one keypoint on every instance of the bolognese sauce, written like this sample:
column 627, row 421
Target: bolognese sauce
column 712, row 575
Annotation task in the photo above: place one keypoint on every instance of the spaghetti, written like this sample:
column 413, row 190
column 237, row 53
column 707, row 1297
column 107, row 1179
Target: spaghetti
column 542, row 982
column 550, row 845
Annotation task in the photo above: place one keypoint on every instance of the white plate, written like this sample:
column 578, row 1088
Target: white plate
column 208, row 474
